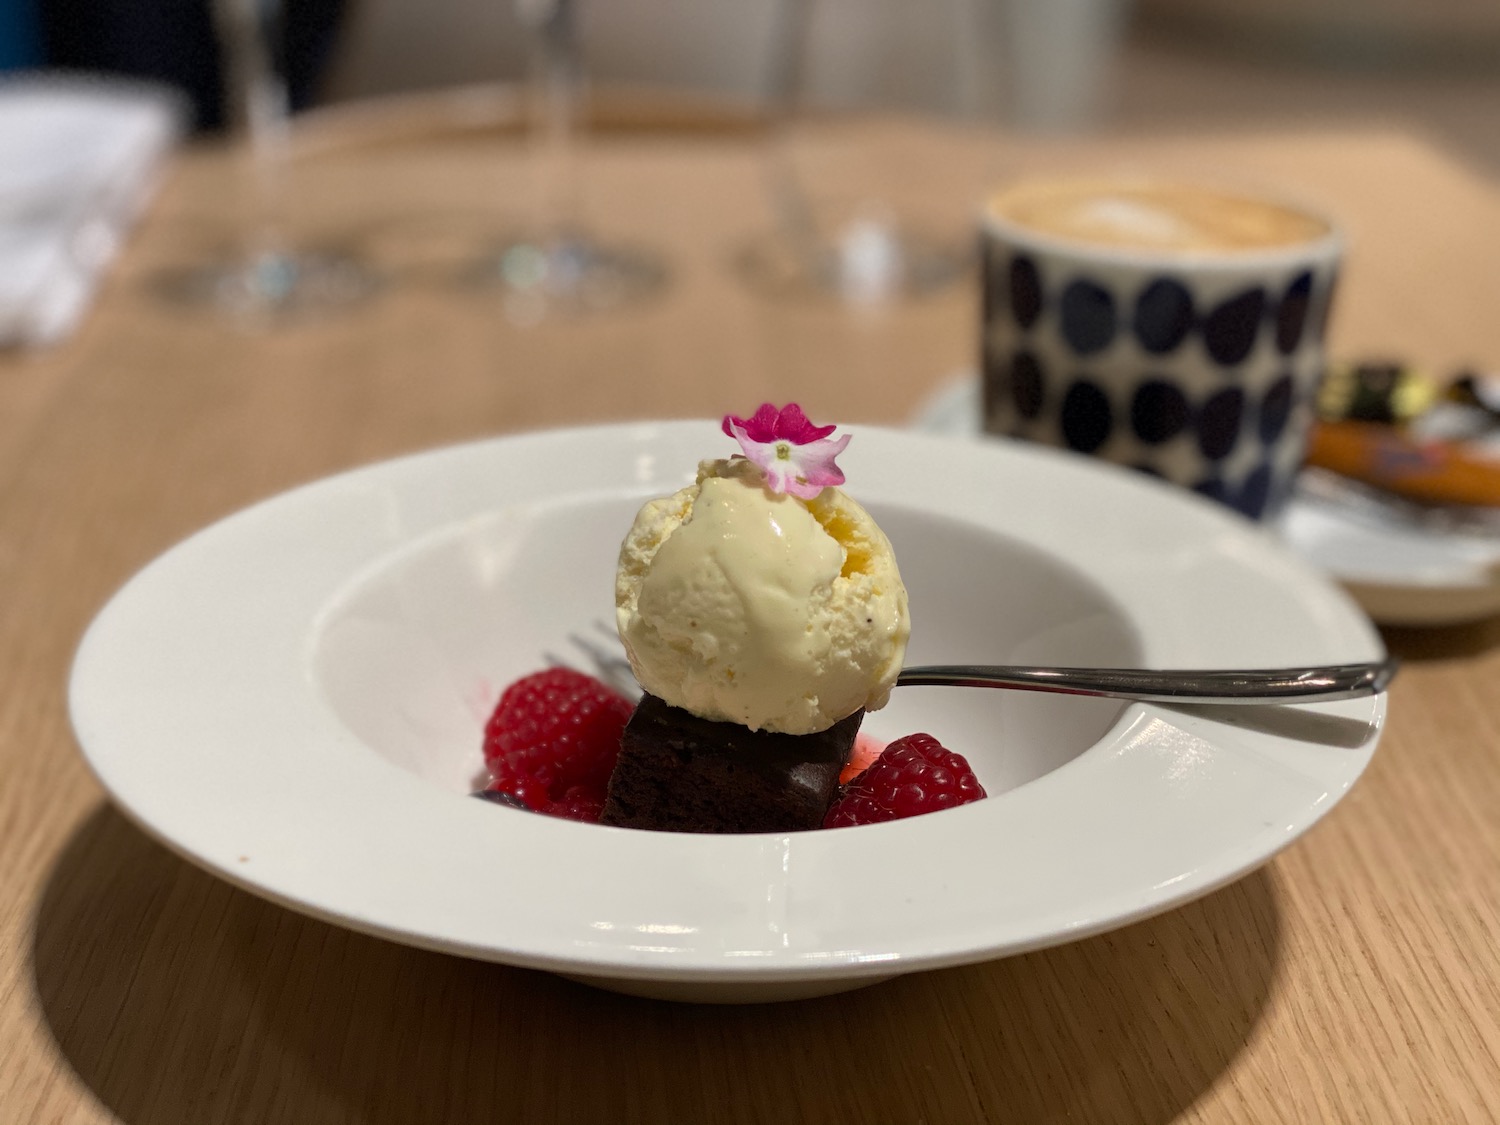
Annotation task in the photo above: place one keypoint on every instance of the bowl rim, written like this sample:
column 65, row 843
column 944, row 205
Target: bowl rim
column 185, row 651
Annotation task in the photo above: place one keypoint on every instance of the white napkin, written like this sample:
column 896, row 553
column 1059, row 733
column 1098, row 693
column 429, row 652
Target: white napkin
column 79, row 159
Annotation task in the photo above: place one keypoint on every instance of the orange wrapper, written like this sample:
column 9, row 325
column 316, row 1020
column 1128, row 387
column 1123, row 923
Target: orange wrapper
column 1444, row 472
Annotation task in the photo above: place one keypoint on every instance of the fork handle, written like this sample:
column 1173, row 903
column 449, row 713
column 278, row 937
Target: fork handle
column 1261, row 685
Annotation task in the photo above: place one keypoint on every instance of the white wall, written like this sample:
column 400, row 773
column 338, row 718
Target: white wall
column 934, row 55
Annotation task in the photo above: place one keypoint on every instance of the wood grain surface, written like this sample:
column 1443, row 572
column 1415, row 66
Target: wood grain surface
column 1353, row 979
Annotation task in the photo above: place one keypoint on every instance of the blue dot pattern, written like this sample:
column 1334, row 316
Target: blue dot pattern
column 1291, row 313
column 1028, row 384
column 1219, row 423
column 1229, row 330
column 1223, row 377
column 1255, row 492
column 1276, row 408
column 1163, row 315
column 1025, row 291
column 1159, row 411
column 1212, row 487
column 1086, row 417
column 1088, row 317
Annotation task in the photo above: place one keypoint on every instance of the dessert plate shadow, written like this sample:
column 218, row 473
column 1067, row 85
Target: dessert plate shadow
column 293, row 698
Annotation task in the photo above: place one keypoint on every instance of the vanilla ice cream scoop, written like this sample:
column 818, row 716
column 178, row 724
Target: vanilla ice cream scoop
column 746, row 606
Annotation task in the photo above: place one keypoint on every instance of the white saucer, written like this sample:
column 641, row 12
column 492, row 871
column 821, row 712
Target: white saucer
column 294, row 699
column 1399, row 574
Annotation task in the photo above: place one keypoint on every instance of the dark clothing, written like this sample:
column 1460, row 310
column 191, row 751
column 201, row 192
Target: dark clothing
column 174, row 41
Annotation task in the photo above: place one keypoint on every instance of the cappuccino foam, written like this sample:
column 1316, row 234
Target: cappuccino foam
column 1154, row 216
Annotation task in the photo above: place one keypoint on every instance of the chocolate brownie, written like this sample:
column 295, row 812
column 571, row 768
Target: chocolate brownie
column 680, row 773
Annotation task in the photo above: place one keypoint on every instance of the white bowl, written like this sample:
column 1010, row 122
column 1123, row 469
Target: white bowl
column 293, row 698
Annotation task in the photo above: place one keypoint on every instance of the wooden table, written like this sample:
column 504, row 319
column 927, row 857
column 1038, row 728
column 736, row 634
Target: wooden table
column 1352, row 979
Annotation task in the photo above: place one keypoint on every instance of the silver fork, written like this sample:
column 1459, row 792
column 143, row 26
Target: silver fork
column 608, row 659
column 1316, row 684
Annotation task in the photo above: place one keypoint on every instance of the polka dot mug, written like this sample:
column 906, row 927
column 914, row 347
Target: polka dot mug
column 1173, row 329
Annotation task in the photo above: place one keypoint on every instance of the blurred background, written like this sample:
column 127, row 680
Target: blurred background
column 1061, row 65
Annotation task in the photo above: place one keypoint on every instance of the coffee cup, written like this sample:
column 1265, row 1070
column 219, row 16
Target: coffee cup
column 1170, row 327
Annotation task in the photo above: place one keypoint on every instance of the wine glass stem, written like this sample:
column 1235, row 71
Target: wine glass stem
column 785, row 95
column 558, row 83
column 269, row 122
column 250, row 31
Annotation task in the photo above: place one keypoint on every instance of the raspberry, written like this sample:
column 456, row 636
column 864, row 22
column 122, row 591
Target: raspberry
column 579, row 803
column 518, row 793
column 866, row 749
column 553, row 732
column 913, row 775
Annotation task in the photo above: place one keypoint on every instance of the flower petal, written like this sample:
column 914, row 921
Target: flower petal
column 795, row 456
column 792, row 425
column 761, row 426
column 815, row 465
column 762, row 453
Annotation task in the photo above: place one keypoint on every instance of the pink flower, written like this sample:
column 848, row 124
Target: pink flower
column 796, row 456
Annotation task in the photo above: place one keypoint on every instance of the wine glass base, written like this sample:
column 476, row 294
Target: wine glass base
column 566, row 275
column 864, row 262
column 273, row 287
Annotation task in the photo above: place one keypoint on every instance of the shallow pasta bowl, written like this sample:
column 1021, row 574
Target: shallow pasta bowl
column 293, row 699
